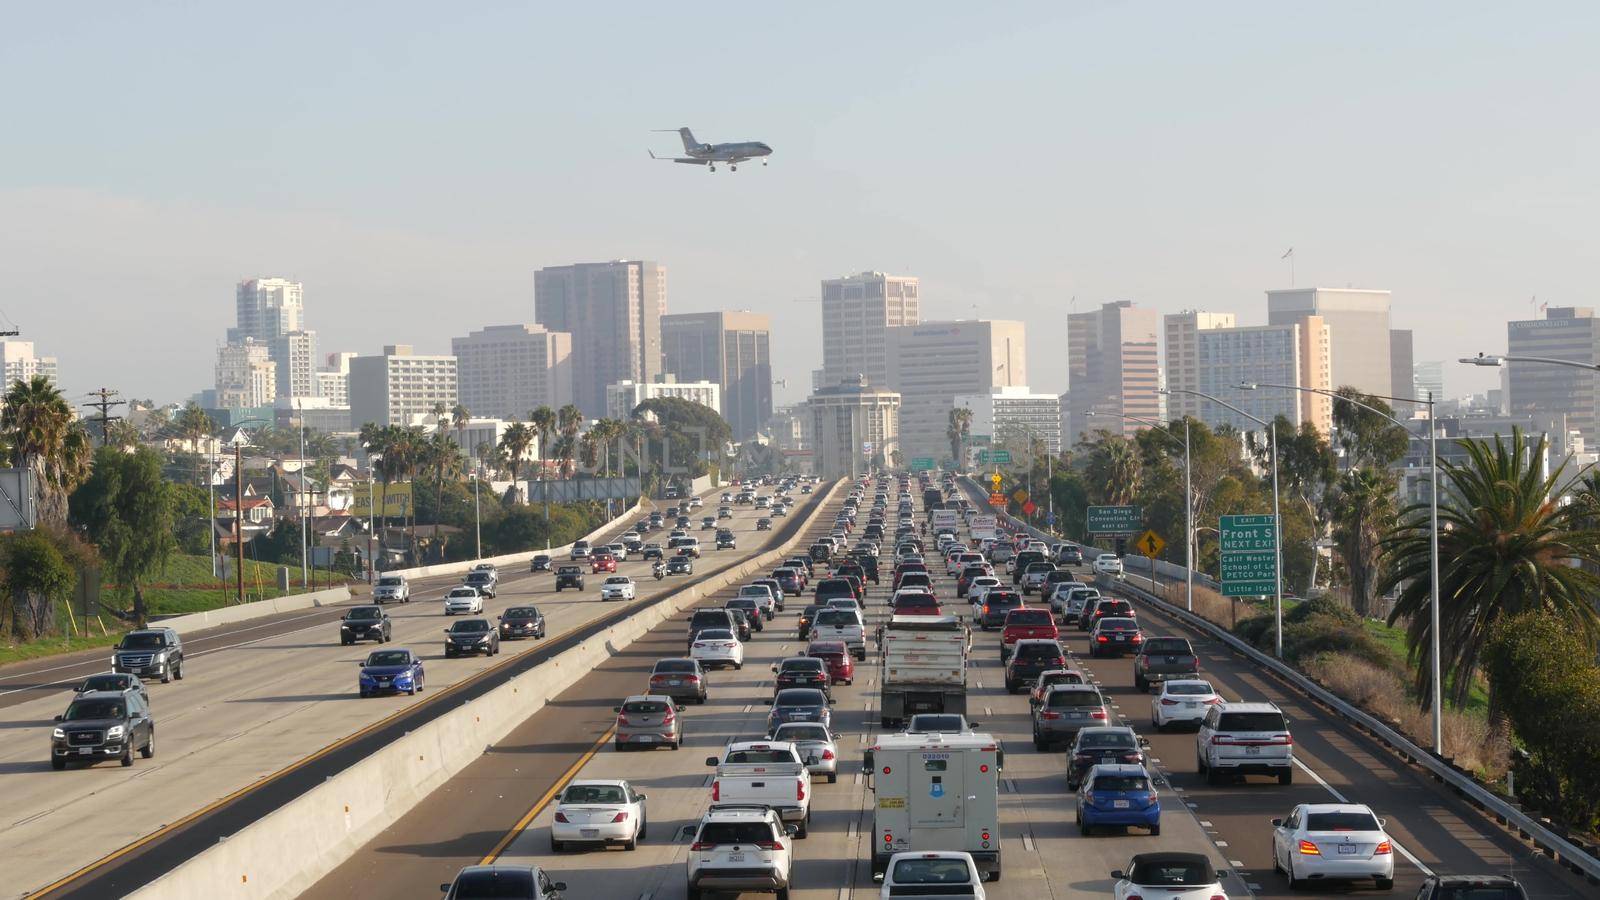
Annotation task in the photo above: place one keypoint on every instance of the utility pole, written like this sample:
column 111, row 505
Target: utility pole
column 104, row 404
column 238, row 520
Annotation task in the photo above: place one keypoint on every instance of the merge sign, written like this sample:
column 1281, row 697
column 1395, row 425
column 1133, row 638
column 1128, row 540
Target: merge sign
column 1249, row 546
column 1115, row 520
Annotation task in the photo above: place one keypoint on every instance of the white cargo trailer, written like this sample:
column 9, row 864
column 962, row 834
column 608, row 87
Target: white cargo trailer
column 936, row 792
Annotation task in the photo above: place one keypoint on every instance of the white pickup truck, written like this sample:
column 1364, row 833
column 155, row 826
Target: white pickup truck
column 766, row 773
column 834, row 624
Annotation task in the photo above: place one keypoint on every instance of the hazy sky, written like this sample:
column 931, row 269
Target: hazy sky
column 413, row 163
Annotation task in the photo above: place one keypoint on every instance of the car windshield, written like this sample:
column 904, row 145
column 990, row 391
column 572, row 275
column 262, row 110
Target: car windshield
column 569, row 570
column 742, row 603
column 1173, row 646
column 95, row 709
column 1041, row 650
column 1002, row 598
column 802, row 733
column 1060, row 699
column 931, row 871
column 1187, row 872
column 1106, row 740
column 800, row 697
column 476, row 577
column 646, row 706
column 1251, row 721
column 464, row 592
column 1063, row 678
column 106, row 683
column 1341, row 821
column 1029, row 617
column 734, row 833
column 1121, row 783
column 1193, row 688
column 836, row 617
column 1478, row 892
column 500, row 882
column 1114, row 608
column 619, row 579
column 755, row 757
column 594, row 793
column 716, row 634
column 365, row 612
column 469, row 625
column 148, row 640
column 389, row 658
column 522, row 612
column 390, row 582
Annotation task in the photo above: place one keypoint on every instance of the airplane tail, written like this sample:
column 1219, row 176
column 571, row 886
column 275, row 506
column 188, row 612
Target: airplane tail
column 689, row 143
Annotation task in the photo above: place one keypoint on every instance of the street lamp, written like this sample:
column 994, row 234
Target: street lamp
column 1433, row 537
column 1188, row 508
column 1494, row 362
column 1277, row 519
column 477, row 520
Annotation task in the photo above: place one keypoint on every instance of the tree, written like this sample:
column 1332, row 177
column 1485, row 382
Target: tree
column 191, row 517
column 121, row 433
column 693, row 433
column 1113, row 469
column 1307, row 470
column 125, row 509
column 1368, row 439
column 543, row 423
column 460, row 418
column 44, row 435
column 960, row 425
column 1363, row 507
column 514, row 444
column 568, row 420
column 36, row 575
column 1506, row 547
column 195, row 425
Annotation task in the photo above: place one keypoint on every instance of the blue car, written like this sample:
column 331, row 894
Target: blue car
column 800, row 705
column 390, row 672
column 1120, row 795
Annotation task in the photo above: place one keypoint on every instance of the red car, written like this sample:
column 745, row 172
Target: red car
column 916, row 603
column 837, row 657
column 602, row 562
column 1027, row 622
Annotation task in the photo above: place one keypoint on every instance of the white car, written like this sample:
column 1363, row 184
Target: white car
column 950, row 873
column 598, row 812
column 463, row 599
column 1108, row 564
column 696, row 503
column 1323, row 842
column 631, row 536
column 717, row 647
column 1171, row 876
column 740, row 849
column 617, row 587
column 1182, row 701
column 1237, row 739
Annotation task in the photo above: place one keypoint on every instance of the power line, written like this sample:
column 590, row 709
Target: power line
column 104, row 404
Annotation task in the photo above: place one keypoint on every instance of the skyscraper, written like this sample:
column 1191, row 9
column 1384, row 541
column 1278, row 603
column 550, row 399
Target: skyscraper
column 1566, row 332
column 1015, row 415
column 732, row 349
column 1358, row 323
column 932, row 363
column 247, row 378
column 506, row 371
column 1401, row 365
column 1294, row 355
column 18, row 362
column 398, row 386
column 856, row 310
column 295, row 353
column 266, row 308
column 855, row 425
column 1428, row 377
column 1183, row 357
column 1113, row 360
column 613, row 311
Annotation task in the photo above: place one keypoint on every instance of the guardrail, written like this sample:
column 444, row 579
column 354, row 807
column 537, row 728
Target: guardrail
column 1554, row 845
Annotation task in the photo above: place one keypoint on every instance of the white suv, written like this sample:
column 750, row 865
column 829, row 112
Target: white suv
column 391, row 587
column 1244, row 739
column 740, row 848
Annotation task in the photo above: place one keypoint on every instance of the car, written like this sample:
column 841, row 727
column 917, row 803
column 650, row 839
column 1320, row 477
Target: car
column 711, row 617
column 696, row 503
column 629, row 536
column 1030, row 657
column 648, row 720
column 724, row 512
column 365, row 623
column 750, row 608
column 618, row 587
column 680, row 565
column 726, row 541
column 580, row 550
column 391, row 672
column 651, row 551
column 1169, row 875
column 681, row 678
column 789, row 580
column 1108, row 564
column 681, row 521
column 841, row 668
column 915, row 603
column 739, row 849
column 802, row 671
column 1069, row 600
column 149, row 651
column 1102, row 744
column 1319, row 843
column 602, row 561
column 469, row 637
column 1064, row 709
column 941, row 873
column 807, row 616
column 1069, row 555
column 1034, row 577
column 491, row 568
column 569, row 577
column 103, row 725
column 1182, row 701
column 115, row 682
column 780, row 509
column 1115, row 636
column 1471, row 887
column 940, row 723
column 717, row 647
column 540, row 563
column 742, row 628
column 1026, row 623
column 709, row 523
column 1238, row 739
column 618, row 550
column 1048, row 679
column 1117, row 795
column 997, row 604
column 1097, row 608
column 600, row 812
column 1161, row 659
column 508, row 882
column 391, row 588
column 816, row 746
column 521, row 622
column 463, row 599
column 763, row 524
column 799, row 704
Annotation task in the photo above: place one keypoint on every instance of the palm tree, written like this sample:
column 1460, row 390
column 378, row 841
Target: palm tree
column 1114, row 469
column 514, row 445
column 195, row 425
column 460, row 418
column 543, row 422
column 43, row 435
column 443, row 457
column 960, row 425
column 568, row 419
column 1506, row 546
column 1362, row 504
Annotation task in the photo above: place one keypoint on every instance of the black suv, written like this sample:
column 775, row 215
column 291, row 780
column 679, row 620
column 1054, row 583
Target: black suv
column 469, row 637
column 540, row 563
column 103, row 725
column 364, row 623
column 150, row 651
column 1030, row 657
column 725, row 540
column 569, row 577
column 703, row 619
column 521, row 622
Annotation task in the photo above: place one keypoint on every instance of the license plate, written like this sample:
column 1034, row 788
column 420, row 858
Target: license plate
column 85, row 751
column 1119, row 804
column 1252, row 751
column 1122, row 637
column 1347, row 848
column 589, row 832
column 647, row 738
column 1189, row 705
column 736, row 857
column 676, row 682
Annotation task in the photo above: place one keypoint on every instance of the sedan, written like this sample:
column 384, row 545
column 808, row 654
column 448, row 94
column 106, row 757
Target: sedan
column 717, row 647
column 816, row 746
column 1182, row 701
column 364, row 623
column 463, row 600
column 598, row 812
column 390, row 672
column 802, row 671
column 1108, row 564
column 679, row 678
column 648, row 720
column 618, row 587
column 1102, row 745
column 521, row 622
column 1176, row 876
column 944, row 873
column 113, row 681
column 1322, row 842
column 1117, row 795
column 680, row 565
column 602, row 562
column 1114, row 637
column 470, row 637
column 799, row 705
column 651, row 551
column 763, row 524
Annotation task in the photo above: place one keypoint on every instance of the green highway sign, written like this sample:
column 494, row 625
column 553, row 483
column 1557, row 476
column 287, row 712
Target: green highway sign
column 1249, row 547
column 1115, row 520
column 921, row 463
column 996, row 457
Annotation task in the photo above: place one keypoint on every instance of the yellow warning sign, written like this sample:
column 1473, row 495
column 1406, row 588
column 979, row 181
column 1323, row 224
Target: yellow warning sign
column 1150, row 544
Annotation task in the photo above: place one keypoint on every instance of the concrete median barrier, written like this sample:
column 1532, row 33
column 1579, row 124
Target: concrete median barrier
column 229, row 615
column 288, row 850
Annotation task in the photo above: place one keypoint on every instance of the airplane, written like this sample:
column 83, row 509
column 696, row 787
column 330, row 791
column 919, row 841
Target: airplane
column 708, row 155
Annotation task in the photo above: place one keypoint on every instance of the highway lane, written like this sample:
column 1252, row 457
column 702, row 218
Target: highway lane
column 247, row 711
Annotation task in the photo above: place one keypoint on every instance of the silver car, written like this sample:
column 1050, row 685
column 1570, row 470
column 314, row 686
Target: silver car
column 648, row 720
column 816, row 746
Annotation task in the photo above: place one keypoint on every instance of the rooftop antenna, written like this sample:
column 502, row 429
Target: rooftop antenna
column 1289, row 255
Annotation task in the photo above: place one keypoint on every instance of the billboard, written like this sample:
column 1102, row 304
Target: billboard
column 396, row 499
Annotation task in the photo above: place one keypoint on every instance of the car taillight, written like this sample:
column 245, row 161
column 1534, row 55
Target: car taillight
column 1137, row 637
column 1168, row 702
column 1083, row 756
column 622, row 720
column 702, row 845
column 1047, row 714
column 770, row 845
column 1103, row 639
column 799, row 790
column 716, row 791
column 1221, row 739
column 619, row 817
column 669, row 718
column 1098, row 714
column 561, row 816
column 1309, row 849
column 1133, row 757
column 827, row 754
column 1384, row 848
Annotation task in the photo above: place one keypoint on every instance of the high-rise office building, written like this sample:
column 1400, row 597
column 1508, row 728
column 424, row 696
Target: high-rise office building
column 1428, row 378
column 1401, row 364
column 1358, row 323
column 247, row 378
column 1113, row 361
column 856, row 311
column 613, row 311
column 333, row 378
column 931, row 364
column 854, row 425
column 1015, row 415
column 1294, row 355
column 1183, row 357
column 295, row 353
column 19, row 362
column 398, row 385
column 266, row 308
column 1565, row 332
column 732, row 349
column 622, row 397
column 506, row 371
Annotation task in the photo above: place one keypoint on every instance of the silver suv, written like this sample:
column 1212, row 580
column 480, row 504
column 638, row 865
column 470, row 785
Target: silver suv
column 1238, row 739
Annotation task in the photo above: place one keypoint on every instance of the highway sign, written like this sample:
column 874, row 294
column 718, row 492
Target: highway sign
column 1028, row 508
column 1020, row 495
column 1050, row 517
column 1249, row 547
column 995, row 480
column 1150, row 544
column 1115, row 519
column 996, row 457
column 921, row 463
column 997, row 499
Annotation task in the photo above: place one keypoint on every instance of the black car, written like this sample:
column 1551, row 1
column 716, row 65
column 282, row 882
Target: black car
column 103, row 725
column 651, row 551
column 804, row 672
column 364, row 623
column 750, row 609
column 763, row 524
column 1030, row 657
column 682, row 521
column 485, row 582
column 540, row 563
column 704, row 619
column 1471, row 887
column 800, row 705
column 708, row 523
column 569, row 577
column 680, row 565
column 996, row 603
column 521, row 622
column 820, row 552
column 1109, row 745
column 468, row 637
column 741, row 623
column 725, row 540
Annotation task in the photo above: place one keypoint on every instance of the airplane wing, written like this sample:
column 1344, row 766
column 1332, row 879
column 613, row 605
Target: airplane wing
column 689, row 160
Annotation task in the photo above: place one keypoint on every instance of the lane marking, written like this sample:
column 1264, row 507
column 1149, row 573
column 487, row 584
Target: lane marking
column 1027, row 841
column 1394, row 843
column 538, row 807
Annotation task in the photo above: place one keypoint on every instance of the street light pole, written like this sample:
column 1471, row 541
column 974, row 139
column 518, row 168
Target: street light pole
column 305, row 525
column 477, row 517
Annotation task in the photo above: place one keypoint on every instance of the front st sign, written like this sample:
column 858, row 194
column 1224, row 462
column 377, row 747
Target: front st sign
column 1249, row 548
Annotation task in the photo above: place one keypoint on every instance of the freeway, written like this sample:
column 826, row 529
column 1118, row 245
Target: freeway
column 498, row 809
column 259, row 703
